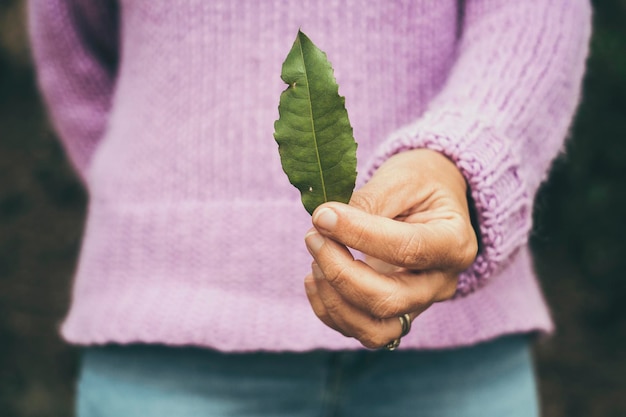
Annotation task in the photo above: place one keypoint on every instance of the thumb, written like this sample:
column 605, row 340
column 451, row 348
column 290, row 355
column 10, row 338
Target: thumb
column 379, row 197
column 372, row 199
column 409, row 245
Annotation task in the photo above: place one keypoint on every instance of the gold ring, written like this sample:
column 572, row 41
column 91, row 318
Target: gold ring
column 405, row 322
column 393, row 344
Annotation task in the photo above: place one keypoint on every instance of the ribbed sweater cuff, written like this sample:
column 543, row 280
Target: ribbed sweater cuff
column 486, row 159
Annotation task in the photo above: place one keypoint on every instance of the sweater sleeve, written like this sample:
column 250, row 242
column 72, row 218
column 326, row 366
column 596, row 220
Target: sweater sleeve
column 503, row 114
column 75, row 48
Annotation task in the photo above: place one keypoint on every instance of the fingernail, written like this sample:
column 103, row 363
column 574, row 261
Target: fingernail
column 326, row 219
column 309, row 286
column 314, row 242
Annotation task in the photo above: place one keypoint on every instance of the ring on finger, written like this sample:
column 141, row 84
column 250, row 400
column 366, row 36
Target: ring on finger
column 405, row 322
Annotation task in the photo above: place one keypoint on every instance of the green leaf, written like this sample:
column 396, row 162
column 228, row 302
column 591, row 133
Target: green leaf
column 315, row 140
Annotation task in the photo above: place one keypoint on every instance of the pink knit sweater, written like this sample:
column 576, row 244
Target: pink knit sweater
column 194, row 235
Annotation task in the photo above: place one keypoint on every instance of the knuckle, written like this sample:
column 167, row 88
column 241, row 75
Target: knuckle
column 449, row 290
column 342, row 332
column 372, row 340
column 369, row 333
column 340, row 276
column 472, row 248
column 359, row 235
column 333, row 309
column 463, row 247
column 468, row 258
column 323, row 316
column 468, row 251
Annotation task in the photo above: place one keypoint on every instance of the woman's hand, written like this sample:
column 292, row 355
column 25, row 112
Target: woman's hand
column 412, row 222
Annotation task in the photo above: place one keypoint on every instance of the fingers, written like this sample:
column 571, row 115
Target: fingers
column 446, row 243
column 336, row 313
column 361, row 302
column 381, row 296
column 317, row 304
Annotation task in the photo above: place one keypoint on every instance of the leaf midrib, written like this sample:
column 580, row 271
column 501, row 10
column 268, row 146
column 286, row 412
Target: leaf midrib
column 313, row 131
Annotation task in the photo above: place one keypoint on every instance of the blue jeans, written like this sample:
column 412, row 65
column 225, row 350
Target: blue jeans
column 491, row 379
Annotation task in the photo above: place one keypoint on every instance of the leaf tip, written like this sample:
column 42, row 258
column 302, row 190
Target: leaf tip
column 302, row 36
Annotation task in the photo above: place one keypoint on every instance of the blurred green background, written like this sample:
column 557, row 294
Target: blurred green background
column 579, row 239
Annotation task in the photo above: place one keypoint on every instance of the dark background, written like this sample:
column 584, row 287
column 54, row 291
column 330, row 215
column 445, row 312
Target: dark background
column 579, row 239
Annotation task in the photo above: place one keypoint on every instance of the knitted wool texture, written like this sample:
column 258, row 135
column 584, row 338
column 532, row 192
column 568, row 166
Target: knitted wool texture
column 194, row 235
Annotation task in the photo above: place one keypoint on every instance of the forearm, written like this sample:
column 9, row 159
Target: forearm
column 504, row 113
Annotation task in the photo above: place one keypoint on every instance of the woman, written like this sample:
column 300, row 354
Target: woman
column 186, row 295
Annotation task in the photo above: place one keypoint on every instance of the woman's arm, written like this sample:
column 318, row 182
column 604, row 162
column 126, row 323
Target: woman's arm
column 75, row 47
column 496, row 126
column 504, row 113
